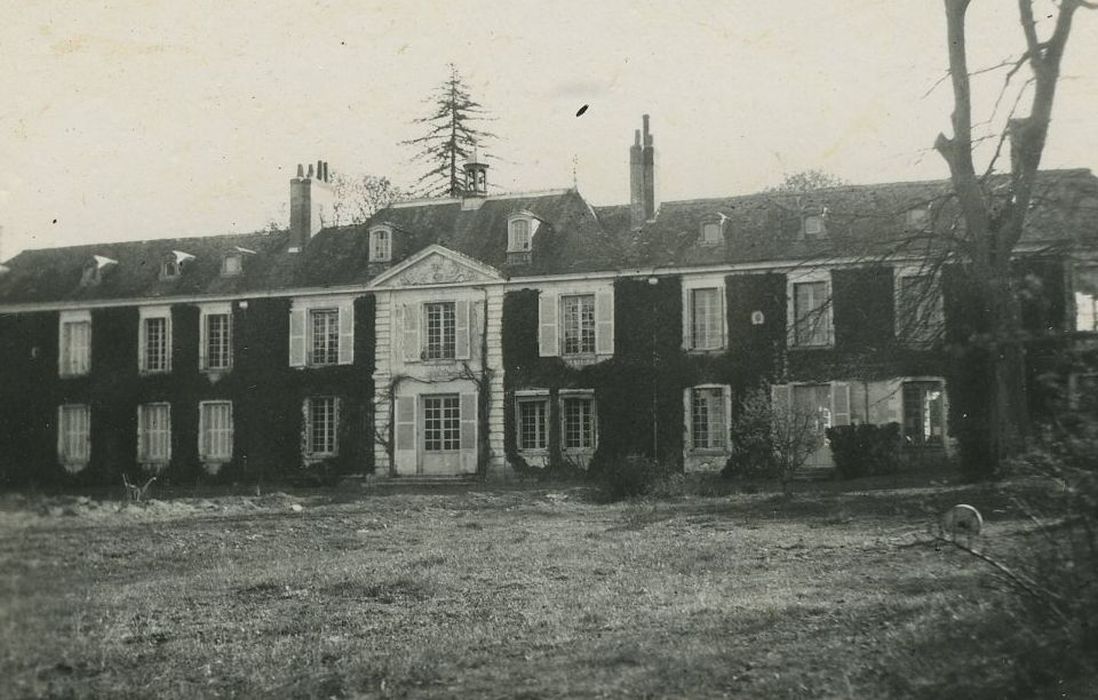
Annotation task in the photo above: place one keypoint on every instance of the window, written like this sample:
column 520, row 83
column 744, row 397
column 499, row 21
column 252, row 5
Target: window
column 917, row 217
column 706, row 323
column 519, row 241
column 533, row 422
column 169, row 270
column 154, row 433
column 711, row 233
column 232, row 265
column 216, row 351
column 708, row 421
column 814, row 226
column 381, row 245
column 924, row 413
column 324, row 328
column 74, row 435
column 919, row 312
column 441, row 330
column 578, row 414
column 578, row 320
column 811, row 314
column 215, row 431
column 322, row 414
column 441, row 423
column 74, row 356
column 1086, row 312
column 155, row 341
column 90, row 276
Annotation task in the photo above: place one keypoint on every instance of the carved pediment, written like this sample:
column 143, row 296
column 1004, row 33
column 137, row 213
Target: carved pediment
column 437, row 266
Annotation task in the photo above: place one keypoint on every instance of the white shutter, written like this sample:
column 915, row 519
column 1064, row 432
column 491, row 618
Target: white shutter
column 688, row 417
column 468, row 413
column 462, row 330
column 687, row 319
column 726, row 394
column 411, row 333
column 297, row 336
column 780, row 396
column 168, row 341
column 548, row 344
column 840, row 403
column 142, row 344
column 347, row 333
column 604, row 322
column 204, row 438
column 404, row 433
column 335, row 425
column 307, row 426
column 203, row 340
column 61, row 434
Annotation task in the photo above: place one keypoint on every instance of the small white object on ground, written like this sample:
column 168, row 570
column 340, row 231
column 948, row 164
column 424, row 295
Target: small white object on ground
column 962, row 519
column 297, row 508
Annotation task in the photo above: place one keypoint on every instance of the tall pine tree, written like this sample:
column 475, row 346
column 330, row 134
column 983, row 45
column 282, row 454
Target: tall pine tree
column 451, row 137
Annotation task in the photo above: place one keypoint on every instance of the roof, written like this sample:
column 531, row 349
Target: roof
column 572, row 237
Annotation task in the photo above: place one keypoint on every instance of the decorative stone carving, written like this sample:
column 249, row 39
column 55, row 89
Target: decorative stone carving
column 438, row 269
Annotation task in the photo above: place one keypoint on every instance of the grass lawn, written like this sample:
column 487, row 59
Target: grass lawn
column 477, row 592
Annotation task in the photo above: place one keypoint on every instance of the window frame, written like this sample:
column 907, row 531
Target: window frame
column 381, row 235
column 330, row 349
column 933, row 328
column 706, row 242
column 445, row 427
column 153, row 313
column 821, row 226
column 793, row 324
column 923, row 384
column 239, row 258
column 588, row 396
column 207, row 312
column 331, row 422
column 65, row 355
column 446, row 347
column 724, row 402
column 67, row 437
column 144, row 433
column 529, row 398
column 205, row 455
column 690, row 287
column 583, row 333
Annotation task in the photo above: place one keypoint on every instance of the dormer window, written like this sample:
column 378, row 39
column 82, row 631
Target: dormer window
column 917, row 217
column 93, row 270
column 381, row 244
column 813, row 226
column 519, row 240
column 169, row 270
column 232, row 265
column 712, row 232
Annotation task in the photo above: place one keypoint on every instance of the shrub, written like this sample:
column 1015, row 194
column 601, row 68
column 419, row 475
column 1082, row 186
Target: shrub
column 865, row 450
column 631, row 476
column 773, row 441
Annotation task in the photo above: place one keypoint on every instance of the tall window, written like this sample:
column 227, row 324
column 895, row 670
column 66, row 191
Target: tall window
column 578, row 321
column 381, row 247
column 579, row 423
column 811, row 314
column 154, row 432
column 919, row 316
column 155, row 332
column 706, row 326
column 441, row 423
column 323, row 415
column 215, row 420
column 441, row 338
column 218, row 332
column 533, row 419
column 924, row 413
column 75, row 353
column 324, row 326
column 74, row 435
column 708, row 422
column 520, row 236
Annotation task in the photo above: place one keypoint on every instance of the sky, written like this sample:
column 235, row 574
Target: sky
column 146, row 119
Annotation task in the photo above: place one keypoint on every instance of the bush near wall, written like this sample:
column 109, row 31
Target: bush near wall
column 865, row 449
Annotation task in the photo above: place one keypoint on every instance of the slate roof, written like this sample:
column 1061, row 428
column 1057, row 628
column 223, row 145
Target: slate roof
column 861, row 220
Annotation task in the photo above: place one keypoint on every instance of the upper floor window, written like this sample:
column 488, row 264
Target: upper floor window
column 441, row 322
column 919, row 313
column 74, row 435
column 381, row 244
column 708, row 411
column 811, row 313
column 321, row 429
column 154, row 433
column 438, row 330
column 155, row 339
column 74, row 353
column 578, row 324
column 215, row 349
column 322, row 331
column 705, row 318
column 215, row 431
column 712, row 233
column 813, row 226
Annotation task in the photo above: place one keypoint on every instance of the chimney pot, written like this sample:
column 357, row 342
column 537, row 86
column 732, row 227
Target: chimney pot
column 300, row 170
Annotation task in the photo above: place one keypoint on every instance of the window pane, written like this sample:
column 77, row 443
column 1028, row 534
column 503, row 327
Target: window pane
column 533, row 424
column 706, row 323
column 156, row 344
column 322, row 426
column 578, row 320
column 325, row 330
column 924, row 413
column 74, row 429
column 156, row 433
column 812, row 325
column 75, row 347
column 441, row 423
column 520, row 235
column 217, row 422
column 441, row 342
column 218, row 344
column 707, row 419
column 579, row 423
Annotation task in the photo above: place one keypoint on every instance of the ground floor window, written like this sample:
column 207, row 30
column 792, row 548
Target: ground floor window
column 814, row 400
column 441, row 423
column 708, row 421
column 154, row 428
column 578, row 415
column 215, row 440
column 74, row 434
column 322, row 413
column 533, row 420
column 924, row 413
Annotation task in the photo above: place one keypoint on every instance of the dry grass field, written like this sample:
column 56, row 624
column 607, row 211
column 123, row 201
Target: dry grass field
column 475, row 592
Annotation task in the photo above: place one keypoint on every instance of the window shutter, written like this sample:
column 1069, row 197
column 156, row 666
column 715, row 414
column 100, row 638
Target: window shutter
column 297, row 336
column 404, row 449
column 141, row 446
column 203, row 431
column 687, row 319
column 780, row 397
column 840, row 403
column 688, row 417
column 168, row 341
column 347, row 333
column 61, row 452
column 468, row 408
column 307, row 423
column 462, row 330
column 411, row 333
column 604, row 322
column 230, row 448
column 336, row 418
column 142, row 337
column 548, row 345
column 726, row 427
column 203, row 341
column 723, row 311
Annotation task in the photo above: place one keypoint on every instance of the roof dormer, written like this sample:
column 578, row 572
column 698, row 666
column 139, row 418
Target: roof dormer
column 94, row 270
column 521, row 228
column 813, row 223
column 711, row 232
column 171, row 265
column 232, row 262
column 381, row 243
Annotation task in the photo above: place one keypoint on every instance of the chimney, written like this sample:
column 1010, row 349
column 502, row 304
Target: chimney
column 642, row 177
column 310, row 204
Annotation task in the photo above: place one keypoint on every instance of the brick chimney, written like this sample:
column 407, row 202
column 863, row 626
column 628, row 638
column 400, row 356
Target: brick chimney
column 310, row 204
column 642, row 177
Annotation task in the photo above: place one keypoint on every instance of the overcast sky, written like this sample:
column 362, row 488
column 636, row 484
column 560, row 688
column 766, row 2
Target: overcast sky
column 125, row 121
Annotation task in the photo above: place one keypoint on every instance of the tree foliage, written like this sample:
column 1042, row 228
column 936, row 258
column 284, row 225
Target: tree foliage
column 358, row 197
column 807, row 180
column 452, row 137
column 771, row 440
